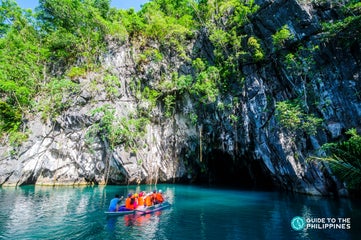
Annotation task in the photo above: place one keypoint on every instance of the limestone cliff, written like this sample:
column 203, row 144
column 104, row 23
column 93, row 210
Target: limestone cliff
column 255, row 150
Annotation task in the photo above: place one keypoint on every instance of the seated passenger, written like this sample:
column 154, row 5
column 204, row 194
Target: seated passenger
column 159, row 197
column 154, row 196
column 129, row 202
column 148, row 200
column 114, row 203
column 141, row 201
column 135, row 200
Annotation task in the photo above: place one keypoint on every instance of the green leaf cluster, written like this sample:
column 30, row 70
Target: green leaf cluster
column 117, row 131
column 255, row 48
column 22, row 59
column 112, row 85
column 347, row 28
column 10, row 118
column 76, row 29
column 281, row 36
column 291, row 116
column 35, row 45
column 345, row 159
column 58, row 97
column 224, row 22
column 150, row 95
column 206, row 85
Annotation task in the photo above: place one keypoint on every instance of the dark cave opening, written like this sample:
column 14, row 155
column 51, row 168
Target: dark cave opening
column 242, row 172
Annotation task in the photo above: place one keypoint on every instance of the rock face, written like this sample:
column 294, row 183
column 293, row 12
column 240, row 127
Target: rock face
column 254, row 151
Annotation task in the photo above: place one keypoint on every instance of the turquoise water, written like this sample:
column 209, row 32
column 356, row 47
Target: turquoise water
column 196, row 213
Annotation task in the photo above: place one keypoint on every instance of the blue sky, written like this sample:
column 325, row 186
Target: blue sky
column 125, row 4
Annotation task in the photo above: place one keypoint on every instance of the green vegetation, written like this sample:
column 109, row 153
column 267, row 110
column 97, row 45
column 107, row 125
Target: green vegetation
column 45, row 55
column 255, row 48
column 22, row 59
column 75, row 29
column 224, row 22
column 345, row 159
column 115, row 130
column 206, row 85
column 292, row 117
column 348, row 26
column 281, row 36
column 76, row 72
column 10, row 118
column 169, row 102
column 151, row 96
column 112, row 85
column 301, row 67
column 58, row 97
column 68, row 37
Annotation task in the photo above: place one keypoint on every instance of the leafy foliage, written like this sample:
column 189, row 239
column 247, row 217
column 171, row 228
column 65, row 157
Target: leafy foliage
column 206, row 85
column 345, row 159
column 21, row 64
column 59, row 92
column 346, row 28
column 224, row 21
column 112, row 85
column 292, row 117
column 281, row 36
column 116, row 130
column 301, row 70
column 43, row 53
column 169, row 102
column 255, row 48
column 75, row 29
column 10, row 118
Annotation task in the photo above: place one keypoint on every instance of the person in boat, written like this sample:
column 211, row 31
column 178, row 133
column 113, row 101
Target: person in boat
column 114, row 203
column 135, row 200
column 148, row 201
column 154, row 196
column 129, row 202
column 141, row 201
column 159, row 197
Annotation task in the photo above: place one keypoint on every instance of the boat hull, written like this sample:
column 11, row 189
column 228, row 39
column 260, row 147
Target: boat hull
column 155, row 208
column 119, row 213
column 147, row 210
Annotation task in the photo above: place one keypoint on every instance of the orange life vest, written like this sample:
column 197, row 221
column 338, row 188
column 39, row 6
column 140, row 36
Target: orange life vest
column 140, row 201
column 154, row 198
column 159, row 198
column 148, row 201
column 128, row 204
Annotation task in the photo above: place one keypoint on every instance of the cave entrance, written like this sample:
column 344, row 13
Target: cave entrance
column 241, row 172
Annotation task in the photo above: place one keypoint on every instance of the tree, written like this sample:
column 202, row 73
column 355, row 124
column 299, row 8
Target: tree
column 75, row 29
column 10, row 13
column 21, row 59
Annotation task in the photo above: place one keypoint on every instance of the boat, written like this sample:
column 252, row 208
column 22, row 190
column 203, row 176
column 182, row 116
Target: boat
column 154, row 208
column 119, row 213
column 147, row 210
